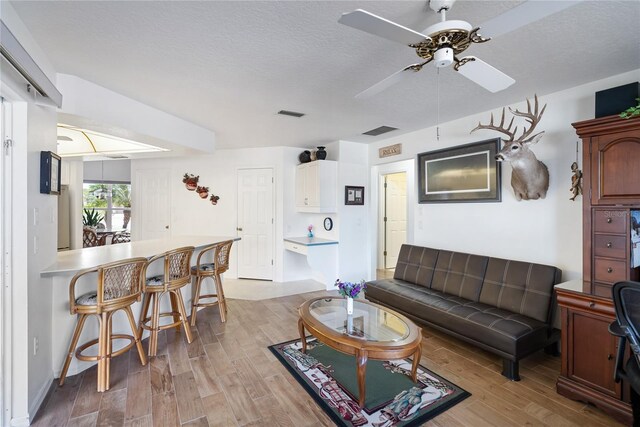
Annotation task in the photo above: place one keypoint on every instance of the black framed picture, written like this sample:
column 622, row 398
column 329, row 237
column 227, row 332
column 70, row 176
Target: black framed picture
column 466, row 173
column 353, row 195
column 50, row 172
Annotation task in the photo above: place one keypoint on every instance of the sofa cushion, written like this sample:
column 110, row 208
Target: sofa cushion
column 510, row 333
column 416, row 264
column 459, row 274
column 519, row 287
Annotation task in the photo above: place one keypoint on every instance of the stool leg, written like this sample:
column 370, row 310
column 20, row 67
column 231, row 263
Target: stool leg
column 72, row 348
column 196, row 299
column 183, row 314
column 146, row 300
column 102, row 351
column 155, row 323
column 222, row 305
column 175, row 309
column 107, row 360
column 132, row 322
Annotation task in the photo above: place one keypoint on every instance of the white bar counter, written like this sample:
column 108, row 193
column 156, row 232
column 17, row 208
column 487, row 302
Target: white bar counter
column 69, row 263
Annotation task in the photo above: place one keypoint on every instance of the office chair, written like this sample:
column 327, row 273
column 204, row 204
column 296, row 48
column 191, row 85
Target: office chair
column 626, row 300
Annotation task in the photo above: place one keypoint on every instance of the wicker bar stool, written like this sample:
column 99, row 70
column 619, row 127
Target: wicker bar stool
column 119, row 285
column 177, row 274
column 202, row 270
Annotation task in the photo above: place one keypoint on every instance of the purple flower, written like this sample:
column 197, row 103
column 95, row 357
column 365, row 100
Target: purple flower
column 350, row 289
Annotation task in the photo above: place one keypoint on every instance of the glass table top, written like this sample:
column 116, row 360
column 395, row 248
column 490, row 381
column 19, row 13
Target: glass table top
column 367, row 321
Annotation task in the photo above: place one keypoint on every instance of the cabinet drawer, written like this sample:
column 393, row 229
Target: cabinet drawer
column 295, row 247
column 602, row 289
column 610, row 221
column 610, row 246
column 609, row 271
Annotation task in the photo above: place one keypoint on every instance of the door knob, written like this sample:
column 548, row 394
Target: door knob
column 239, row 228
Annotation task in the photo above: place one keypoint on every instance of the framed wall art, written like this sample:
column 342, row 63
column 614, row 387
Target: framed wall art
column 50, row 173
column 466, row 173
column 353, row 195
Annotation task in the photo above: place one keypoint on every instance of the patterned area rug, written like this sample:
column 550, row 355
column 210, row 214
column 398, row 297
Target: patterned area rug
column 391, row 399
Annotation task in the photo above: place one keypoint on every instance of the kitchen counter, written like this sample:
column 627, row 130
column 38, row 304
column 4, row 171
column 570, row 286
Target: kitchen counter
column 79, row 259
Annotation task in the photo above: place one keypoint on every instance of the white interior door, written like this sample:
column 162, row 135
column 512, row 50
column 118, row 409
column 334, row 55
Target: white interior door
column 151, row 210
column 396, row 216
column 255, row 223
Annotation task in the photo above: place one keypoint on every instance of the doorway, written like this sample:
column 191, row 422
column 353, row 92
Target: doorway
column 255, row 223
column 393, row 199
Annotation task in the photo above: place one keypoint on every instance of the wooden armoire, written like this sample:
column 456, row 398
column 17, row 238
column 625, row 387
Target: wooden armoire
column 611, row 187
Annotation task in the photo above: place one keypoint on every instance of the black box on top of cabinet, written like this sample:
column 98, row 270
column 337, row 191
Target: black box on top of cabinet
column 617, row 99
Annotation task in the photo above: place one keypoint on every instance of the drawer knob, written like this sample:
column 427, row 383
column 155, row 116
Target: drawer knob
column 609, row 270
column 609, row 244
column 609, row 220
column 592, row 304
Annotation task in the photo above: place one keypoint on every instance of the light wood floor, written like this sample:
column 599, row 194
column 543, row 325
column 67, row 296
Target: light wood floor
column 227, row 376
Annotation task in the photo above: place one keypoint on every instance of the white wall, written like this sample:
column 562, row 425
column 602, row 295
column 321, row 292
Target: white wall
column 34, row 129
column 546, row 231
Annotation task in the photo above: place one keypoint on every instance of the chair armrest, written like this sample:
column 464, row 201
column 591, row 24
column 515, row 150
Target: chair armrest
column 616, row 330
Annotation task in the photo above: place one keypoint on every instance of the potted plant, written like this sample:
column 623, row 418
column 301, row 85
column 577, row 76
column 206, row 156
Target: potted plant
column 203, row 192
column 631, row 111
column 190, row 181
column 91, row 218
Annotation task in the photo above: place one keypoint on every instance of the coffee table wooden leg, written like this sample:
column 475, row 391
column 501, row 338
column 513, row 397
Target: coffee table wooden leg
column 361, row 359
column 416, row 363
column 303, row 339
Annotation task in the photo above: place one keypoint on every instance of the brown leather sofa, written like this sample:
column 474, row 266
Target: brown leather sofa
column 505, row 307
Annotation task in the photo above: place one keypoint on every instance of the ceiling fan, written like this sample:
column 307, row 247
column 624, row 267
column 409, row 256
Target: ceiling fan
column 443, row 42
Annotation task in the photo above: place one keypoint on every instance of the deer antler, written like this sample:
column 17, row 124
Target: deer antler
column 500, row 128
column 531, row 117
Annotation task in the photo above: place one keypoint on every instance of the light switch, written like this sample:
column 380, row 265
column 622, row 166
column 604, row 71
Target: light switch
column 36, row 216
column 52, row 215
column 35, row 245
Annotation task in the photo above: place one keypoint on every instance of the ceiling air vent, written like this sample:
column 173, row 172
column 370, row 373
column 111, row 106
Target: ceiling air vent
column 290, row 113
column 379, row 131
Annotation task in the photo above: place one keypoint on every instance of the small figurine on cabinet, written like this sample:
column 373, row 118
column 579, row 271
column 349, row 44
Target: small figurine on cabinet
column 576, row 181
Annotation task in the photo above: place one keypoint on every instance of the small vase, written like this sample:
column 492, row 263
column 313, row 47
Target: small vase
column 310, row 235
column 305, row 156
column 349, row 305
column 321, row 154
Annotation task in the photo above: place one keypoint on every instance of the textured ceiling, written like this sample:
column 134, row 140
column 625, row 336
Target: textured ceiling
column 231, row 65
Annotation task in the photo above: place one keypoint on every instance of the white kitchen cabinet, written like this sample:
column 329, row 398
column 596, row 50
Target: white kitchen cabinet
column 316, row 186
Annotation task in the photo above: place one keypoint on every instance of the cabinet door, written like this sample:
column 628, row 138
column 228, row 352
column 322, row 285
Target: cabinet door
column 301, row 175
column 592, row 351
column 615, row 175
column 312, row 186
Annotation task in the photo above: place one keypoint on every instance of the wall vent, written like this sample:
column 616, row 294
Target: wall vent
column 290, row 113
column 379, row 131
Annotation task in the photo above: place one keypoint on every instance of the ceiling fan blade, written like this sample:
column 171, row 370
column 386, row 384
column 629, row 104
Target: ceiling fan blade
column 485, row 75
column 523, row 14
column 373, row 24
column 386, row 83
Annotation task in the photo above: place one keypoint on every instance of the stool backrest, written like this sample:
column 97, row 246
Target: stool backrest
column 177, row 266
column 118, row 283
column 221, row 252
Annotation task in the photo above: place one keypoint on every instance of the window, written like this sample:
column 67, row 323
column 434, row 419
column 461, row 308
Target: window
column 112, row 202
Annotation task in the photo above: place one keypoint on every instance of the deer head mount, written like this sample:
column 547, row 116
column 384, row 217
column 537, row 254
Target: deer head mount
column 529, row 176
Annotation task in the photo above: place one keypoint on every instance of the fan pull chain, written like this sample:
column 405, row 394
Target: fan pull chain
column 438, row 102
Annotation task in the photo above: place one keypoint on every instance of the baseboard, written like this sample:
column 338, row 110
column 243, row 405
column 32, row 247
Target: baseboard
column 20, row 422
column 41, row 397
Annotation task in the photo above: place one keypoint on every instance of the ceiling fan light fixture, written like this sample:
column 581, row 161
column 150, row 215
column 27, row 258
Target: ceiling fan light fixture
column 443, row 57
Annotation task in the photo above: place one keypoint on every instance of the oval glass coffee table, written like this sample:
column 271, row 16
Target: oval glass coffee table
column 371, row 332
